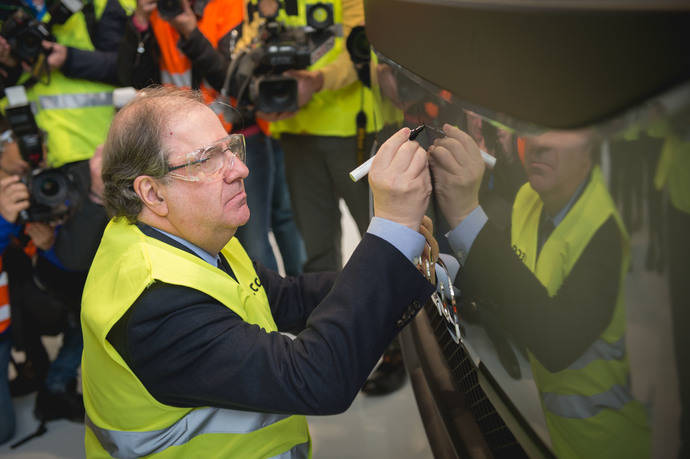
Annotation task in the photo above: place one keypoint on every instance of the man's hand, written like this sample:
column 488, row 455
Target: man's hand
column 400, row 181
column 458, row 169
column 57, row 55
column 42, row 234
column 143, row 12
column 5, row 53
column 185, row 22
column 14, row 197
column 309, row 82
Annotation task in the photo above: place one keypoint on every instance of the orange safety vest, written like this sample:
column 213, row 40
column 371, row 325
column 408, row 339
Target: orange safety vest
column 5, row 318
column 219, row 18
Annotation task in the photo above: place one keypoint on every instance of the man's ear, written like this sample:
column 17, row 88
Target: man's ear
column 152, row 195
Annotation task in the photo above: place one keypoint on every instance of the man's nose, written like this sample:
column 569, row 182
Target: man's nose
column 238, row 170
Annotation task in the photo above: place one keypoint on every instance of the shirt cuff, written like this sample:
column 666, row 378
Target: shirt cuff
column 462, row 236
column 410, row 243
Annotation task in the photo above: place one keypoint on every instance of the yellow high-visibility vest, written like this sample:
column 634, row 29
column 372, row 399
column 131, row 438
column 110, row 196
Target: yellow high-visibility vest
column 122, row 418
column 588, row 406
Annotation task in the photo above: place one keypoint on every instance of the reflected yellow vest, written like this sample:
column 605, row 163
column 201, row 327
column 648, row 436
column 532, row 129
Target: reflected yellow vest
column 328, row 113
column 674, row 171
column 123, row 419
column 75, row 113
column 588, row 406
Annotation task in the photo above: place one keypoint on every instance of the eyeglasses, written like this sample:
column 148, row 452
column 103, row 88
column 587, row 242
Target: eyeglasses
column 208, row 163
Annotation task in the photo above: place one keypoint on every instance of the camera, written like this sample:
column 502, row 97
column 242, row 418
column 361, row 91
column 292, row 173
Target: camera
column 255, row 79
column 25, row 34
column 168, row 9
column 53, row 192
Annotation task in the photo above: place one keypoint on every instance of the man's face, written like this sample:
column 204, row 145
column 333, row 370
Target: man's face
column 203, row 209
column 557, row 162
column 11, row 161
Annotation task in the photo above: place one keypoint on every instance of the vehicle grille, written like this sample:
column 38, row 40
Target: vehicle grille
column 497, row 435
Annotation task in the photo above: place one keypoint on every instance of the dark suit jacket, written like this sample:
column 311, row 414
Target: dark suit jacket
column 505, row 293
column 189, row 350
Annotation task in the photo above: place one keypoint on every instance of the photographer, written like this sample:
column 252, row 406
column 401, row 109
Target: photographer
column 46, row 286
column 83, row 49
column 177, row 43
column 319, row 139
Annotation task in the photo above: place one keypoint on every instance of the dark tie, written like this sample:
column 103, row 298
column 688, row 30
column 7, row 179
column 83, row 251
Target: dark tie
column 546, row 227
column 224, row 266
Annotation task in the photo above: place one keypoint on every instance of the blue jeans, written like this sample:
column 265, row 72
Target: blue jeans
column 64, row 368
column 268, row 199
column 7, row 421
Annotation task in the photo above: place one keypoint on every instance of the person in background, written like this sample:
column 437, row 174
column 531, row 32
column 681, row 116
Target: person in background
column 45, row 290
column 319, row 139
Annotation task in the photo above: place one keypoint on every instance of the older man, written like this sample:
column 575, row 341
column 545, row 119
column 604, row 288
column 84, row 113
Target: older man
column 182, row 355
column 556, row 287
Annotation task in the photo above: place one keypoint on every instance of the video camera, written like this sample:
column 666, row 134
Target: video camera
column 255, row 76
column 25, row 34
column 54, row 193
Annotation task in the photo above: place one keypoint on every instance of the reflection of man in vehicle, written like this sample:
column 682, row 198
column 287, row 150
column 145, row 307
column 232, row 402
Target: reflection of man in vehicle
column 559, row 290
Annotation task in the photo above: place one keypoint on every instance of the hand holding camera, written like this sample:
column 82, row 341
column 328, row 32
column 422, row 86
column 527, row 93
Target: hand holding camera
column 143, row 12
column 14, row 197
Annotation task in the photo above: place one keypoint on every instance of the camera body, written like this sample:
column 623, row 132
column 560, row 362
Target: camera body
column 53, row 193
column 24, row 34
column 168, row 9
column 256, row 78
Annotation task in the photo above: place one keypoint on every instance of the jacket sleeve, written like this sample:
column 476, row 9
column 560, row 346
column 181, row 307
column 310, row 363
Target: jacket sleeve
column 202, row 354
column 557, row 329
column 207, row 62
column 293, row 299
column 100, row 64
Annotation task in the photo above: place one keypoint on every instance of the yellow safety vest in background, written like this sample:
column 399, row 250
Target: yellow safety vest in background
column 75, row 113
column 673, row 171
column 328, row 113
column 589, row 409
column 122, row 418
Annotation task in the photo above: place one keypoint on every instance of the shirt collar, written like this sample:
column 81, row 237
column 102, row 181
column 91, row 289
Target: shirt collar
column 204, row 255
column 560, row 215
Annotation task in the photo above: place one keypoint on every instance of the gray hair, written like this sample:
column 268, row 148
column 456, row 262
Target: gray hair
column 134, row 146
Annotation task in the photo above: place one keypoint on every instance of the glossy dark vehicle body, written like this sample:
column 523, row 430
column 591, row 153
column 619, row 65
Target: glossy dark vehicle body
column 524, row 79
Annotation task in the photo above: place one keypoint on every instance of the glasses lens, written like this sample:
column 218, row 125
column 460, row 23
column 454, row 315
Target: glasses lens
column 235, row 143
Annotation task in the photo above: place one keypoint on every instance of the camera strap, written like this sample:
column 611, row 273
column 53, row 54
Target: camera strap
column 361, row 120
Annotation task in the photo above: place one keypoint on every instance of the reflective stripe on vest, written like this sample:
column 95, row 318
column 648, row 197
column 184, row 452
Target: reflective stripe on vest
column 600, row 350
column 59, row 101
column 197, row 422
column 4, row 303
column 300, row 451
column 181, row 80
column 581, row 407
